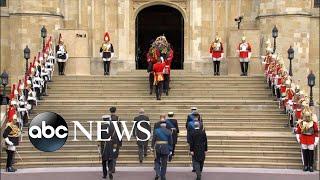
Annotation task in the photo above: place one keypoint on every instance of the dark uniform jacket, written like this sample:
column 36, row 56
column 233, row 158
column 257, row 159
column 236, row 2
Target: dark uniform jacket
column 107, row 146
column 106, row 52
column 172, row 124
column 118, row 142
column 192, row 118
column 191, row 128
column 198, row 144
column 13, row 137
column 162, row 135
column 137, row 132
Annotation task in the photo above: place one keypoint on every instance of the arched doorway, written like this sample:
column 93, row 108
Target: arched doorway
column 154, row 21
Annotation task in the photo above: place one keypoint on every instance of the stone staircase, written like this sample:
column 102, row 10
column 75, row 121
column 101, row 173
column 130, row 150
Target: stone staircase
column 243, row 124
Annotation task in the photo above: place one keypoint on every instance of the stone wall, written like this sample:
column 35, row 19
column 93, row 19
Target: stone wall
column 296, row 20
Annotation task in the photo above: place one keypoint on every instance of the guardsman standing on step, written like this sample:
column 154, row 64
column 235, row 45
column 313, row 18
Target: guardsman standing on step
column 307, row 136
column 172, row 124
column 198, row 148
column 244, row 50
column 158, row 77
column 162, row 147
column 216, row 50
column 106, row 53
column 142, row 144
column 107, row 150
column 11, row 136
column 62, row 55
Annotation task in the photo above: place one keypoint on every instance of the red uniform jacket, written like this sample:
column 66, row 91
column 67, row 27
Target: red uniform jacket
column 170, row 57
column 158, row 71
column 244, row 50
column 308, row 137
column 216, row 52
column 11, row 112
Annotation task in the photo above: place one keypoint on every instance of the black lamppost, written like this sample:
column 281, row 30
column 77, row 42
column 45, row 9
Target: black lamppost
column 43, row 35
column 290, row 57
column 311, row 83
column 26, row 55
column 274, row 35
column 4, row 81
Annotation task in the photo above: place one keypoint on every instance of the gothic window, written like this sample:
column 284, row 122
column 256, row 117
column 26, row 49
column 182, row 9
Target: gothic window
column 3, row 3
column 316, row 3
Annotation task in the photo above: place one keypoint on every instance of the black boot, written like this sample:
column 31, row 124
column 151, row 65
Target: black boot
column 11, row 169
column 242, row 68
column 305, row 159
column 246, row 66
column 110, row 176
column 310, row 154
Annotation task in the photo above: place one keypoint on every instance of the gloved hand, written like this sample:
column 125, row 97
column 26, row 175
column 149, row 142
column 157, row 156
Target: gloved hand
column 100, row 54
column 249, row 55
column 170, row 153
column 222, row 55
column 298, row 138
column 8, row 142
column 316, row 141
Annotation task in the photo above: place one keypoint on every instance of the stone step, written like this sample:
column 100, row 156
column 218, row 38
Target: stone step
column 180, row 146
column 183, row 140
column 96, row 163
column 125, row 157
column 177, row 153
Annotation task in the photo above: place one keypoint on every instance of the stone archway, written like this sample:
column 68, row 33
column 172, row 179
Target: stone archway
column 156, row 20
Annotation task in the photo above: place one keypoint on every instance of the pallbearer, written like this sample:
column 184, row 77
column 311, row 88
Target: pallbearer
column 158, row 77
column 106, row 53
column 172, row 124
column 307, row 136
column 162, row 145
column 244, row 50
column 62, row 55
column 11, row 136
column 151, row 75
column 142, row 145
column 216, row 50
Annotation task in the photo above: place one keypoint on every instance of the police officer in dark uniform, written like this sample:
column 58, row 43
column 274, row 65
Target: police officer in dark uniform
column 172, row 124
column 107, row 147
column 162, row 143
column 118, row 142
column 198, row 148
column 142, row 145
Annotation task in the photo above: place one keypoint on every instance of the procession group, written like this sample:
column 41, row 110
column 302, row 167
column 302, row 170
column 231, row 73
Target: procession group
column 292, row 100
column 164, row 139
column 295, row 103
column 25, row 95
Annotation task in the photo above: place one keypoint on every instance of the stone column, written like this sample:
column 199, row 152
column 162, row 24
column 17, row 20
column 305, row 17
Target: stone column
column 194, row 63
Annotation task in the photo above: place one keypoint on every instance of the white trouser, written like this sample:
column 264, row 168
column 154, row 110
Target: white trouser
column 216, row 59
column 244, row 59
column 306, row 146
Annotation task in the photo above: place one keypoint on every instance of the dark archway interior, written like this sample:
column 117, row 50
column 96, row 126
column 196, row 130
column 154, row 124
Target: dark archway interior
column 154, row 21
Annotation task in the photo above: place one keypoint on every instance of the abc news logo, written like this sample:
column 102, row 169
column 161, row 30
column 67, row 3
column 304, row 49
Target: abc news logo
column 48, row 131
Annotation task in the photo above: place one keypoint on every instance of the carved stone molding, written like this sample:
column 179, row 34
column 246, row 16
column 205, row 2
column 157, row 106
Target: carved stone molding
column 180, row 3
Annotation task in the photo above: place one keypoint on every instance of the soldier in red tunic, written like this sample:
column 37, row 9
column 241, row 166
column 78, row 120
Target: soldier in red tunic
column 216, row 50
column 244, row 50
column 307, row 136
column 158, row 77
